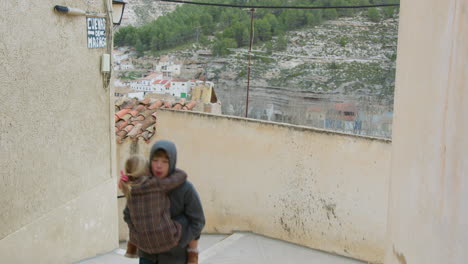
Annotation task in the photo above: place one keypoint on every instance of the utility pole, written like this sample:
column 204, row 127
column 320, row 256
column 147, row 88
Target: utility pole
column 250, row 56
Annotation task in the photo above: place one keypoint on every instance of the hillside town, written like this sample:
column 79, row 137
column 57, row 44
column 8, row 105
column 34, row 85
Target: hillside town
column 163, row 82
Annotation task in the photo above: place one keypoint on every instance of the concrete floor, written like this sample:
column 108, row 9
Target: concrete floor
column 245, row 248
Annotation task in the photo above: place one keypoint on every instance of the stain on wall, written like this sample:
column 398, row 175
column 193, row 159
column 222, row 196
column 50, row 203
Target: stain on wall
column 399, row 256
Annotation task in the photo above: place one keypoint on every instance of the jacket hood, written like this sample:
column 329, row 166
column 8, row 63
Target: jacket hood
column 170, row 148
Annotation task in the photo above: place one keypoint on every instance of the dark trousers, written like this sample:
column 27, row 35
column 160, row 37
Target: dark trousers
column 147, row 261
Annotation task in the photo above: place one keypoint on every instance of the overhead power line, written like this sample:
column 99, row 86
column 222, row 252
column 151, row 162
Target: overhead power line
column 279, row 7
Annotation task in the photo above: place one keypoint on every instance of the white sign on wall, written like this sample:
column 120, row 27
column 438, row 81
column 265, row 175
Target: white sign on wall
column 96, row 32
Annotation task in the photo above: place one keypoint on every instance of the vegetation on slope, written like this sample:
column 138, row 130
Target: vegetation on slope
column 223, row 28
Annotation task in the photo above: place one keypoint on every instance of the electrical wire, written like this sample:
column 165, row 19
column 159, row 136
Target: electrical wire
column 278, row 7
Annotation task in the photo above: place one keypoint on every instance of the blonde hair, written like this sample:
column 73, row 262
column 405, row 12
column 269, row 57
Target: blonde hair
column 136, row 166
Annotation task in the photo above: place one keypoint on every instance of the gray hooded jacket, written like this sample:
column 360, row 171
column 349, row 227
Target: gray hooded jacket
column 186, row 209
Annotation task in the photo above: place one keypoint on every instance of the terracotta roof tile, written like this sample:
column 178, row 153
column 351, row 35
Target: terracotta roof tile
column 121, row 113
column 346, row 107
column 179, row 80
column 178, row 106
column 167, row 104
column 126, row 117
column 128, row 128
column 137, row 109
column 147, row 113
column 145, row 101
column 147, row 123
column 147, row 135
column 152, row 128
column 190, row 105
column 135, row 131
column 121, row 124
column 137, row 119
column 156, row 104
column 121, row 133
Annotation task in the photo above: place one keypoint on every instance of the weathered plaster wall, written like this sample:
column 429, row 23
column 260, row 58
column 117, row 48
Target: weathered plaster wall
column 319, row 189
column 58, row 196
column 428, row 204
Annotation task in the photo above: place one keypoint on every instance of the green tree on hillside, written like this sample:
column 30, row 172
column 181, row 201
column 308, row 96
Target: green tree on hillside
column 373, row 14
column 281, row 43
column 221, row 47
column 263, row 30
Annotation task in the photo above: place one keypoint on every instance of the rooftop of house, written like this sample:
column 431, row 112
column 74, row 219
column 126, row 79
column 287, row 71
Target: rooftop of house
column 160, row 81
column 182, row 80
column 136, row 119
column 124, row 89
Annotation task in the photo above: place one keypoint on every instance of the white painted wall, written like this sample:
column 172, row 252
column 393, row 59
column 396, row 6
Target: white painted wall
column 57, row 192
column 319, row 189
column 428, row 209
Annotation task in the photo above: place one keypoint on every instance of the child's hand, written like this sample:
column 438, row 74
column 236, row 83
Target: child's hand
column 123, row 178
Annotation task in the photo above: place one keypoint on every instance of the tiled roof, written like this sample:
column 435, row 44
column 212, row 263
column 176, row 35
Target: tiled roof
column 316, row 109
column 160, row 82
column 346, row 107
column 137, row 118
column 179, row 80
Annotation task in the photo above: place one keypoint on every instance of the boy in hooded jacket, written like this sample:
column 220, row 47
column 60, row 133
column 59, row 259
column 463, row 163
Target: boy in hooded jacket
column 177, row 243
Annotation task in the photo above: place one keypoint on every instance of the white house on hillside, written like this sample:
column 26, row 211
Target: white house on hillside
column 146, row 84
column 181, row 87
column 159, row 86
column 169, row 69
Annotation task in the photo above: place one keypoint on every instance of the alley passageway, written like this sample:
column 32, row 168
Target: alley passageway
column 245, row 248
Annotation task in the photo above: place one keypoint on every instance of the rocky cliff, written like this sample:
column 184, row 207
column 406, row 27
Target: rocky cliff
column 140, row 12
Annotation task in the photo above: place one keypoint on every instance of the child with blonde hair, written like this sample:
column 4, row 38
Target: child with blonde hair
column 136, row 168
column 151, row 227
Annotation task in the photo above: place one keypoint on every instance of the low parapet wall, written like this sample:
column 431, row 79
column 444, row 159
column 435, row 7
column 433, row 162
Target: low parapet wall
column 319, row 189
